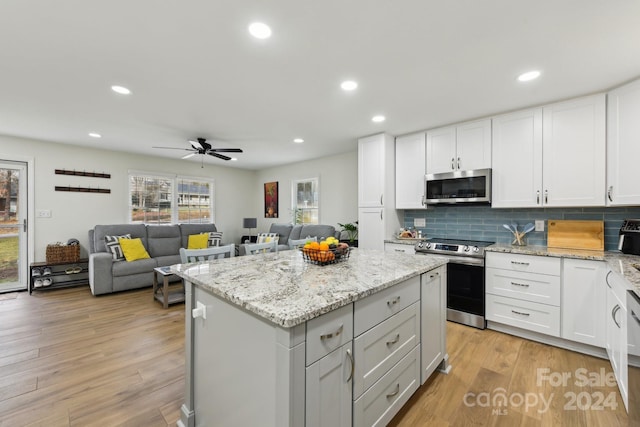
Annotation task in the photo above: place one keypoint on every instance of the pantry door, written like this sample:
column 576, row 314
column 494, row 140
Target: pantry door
column 13, row 226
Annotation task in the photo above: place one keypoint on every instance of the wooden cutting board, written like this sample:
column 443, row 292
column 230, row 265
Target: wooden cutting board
column 575, row 234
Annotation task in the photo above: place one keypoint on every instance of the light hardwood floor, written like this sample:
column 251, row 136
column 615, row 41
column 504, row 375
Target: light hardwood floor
column 70, row 359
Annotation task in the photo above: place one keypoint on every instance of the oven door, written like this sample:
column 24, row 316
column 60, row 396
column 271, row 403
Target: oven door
column 465, row 293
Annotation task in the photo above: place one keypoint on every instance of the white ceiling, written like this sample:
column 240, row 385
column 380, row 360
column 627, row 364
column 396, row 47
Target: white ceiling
column 195, row 71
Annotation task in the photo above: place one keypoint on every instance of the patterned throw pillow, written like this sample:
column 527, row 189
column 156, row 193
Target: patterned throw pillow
column 113, row 245
column 268, row 237
column 215, row 238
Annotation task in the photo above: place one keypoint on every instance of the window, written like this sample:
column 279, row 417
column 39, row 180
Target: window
column 305, row 201
column 169, row 199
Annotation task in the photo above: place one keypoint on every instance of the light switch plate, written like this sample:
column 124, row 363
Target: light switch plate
column 43, row 213
column 419, row 222
column 539, row 225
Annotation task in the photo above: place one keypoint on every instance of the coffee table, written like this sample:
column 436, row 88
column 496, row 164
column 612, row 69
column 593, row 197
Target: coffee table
column 162, row 292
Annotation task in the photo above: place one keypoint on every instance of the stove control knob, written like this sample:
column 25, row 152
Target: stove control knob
column 475, row 249
column 427, row 245
column 466, row 248
column 420, row 245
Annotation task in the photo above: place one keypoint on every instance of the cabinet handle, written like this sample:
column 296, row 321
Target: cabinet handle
column 613, row 314
column 431, row 276
column 332, row 334
column 546, row 197
column 609, row 191
column 396, row 391
column 606, row 279
column 381, row 215
column 352, row 365
column 458, row 162
column 381, row 204
column 538, row 197
column 525, row 285
column 520, row 313
column 635, row 317
column 393, row 341
column 452, row 164
column 519, row 263
column 393, row 302
column 399, row 250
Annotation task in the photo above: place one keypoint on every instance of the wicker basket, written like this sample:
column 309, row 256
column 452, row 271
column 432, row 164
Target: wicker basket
column 318, row 257
column 62, row 253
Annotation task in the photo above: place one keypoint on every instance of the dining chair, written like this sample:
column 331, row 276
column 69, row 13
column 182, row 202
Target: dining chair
column 208, row 254
column 256, row 248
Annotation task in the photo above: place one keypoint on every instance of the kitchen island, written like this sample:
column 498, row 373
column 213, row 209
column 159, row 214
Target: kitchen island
column 274, row 341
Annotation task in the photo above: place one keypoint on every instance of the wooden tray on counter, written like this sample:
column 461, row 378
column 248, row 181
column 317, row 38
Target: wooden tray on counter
column 576, row 234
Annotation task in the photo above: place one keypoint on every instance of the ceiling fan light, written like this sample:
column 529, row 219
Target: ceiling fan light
column 188, row 155
column 260, row 30
column 121, row 90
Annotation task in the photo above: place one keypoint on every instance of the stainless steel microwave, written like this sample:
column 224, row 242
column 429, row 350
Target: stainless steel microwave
column 472, row 186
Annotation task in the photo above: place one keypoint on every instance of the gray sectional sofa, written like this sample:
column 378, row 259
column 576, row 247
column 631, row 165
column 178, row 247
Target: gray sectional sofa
column 163, row 242
column 288, row 232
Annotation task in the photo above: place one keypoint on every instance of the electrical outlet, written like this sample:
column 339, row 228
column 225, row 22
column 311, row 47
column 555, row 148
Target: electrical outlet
column 419, row 222
column 539, row 225
column 43, row 213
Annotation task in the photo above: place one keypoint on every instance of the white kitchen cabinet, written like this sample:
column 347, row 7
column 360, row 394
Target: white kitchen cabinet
column 616, row 330
column 433, row 297
column 377, row 215
column 583, row 302
column 410, row 171
column 623, row 145
column 573, row 152
column 399, row 247
column 328, row 389
column 465, row 146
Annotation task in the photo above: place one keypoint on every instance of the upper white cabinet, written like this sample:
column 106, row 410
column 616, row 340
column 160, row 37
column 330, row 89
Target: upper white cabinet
column 623, row 145
column 465, row 146
column 551, row 156
column 410, row 171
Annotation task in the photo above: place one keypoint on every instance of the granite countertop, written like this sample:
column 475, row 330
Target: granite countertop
column 618, row 262
column 288, row 291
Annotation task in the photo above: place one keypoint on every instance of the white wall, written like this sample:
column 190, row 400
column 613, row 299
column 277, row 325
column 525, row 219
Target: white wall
column 73, row 214
column 338, row 182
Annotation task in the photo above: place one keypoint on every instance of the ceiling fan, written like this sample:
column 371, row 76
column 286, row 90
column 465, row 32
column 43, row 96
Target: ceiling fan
column 201, row 146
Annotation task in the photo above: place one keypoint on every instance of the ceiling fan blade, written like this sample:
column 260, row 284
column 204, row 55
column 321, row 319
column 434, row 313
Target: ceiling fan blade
column 196, row 144
column 220, row 156
column 174, row 148
column 227, row 150
column 189, row 155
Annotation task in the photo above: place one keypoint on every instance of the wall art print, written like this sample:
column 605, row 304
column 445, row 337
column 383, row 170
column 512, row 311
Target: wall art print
column 271, row 200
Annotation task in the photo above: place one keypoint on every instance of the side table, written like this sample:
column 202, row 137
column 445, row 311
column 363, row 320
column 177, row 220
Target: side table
column 162, row 292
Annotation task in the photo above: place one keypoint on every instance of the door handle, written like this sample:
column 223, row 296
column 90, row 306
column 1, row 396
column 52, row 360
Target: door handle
column 609, row 191
column 332, row 334
column 24, row 225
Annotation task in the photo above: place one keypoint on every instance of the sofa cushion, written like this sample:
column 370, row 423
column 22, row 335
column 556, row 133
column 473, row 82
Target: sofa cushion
column 187, row 229
column 133, row 249
column 124, row 268
column 164, row 261
column 135, row 230
column 113, row 245
column 283, row 231
column 317, row 230
column 163, row 240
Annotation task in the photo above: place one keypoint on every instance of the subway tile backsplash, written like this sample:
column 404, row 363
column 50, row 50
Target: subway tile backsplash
column 484, row 223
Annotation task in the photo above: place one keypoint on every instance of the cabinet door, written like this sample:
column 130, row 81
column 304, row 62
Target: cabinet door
column 473, row 145
column 329, row 382
column 410, row 170
column 371, row 152
column 583, row 302
column 573, row 140
column 371, row 228
column 433, row 321
column 400, row 247
column 623, row 145
column 517, row 159
column 441, row 150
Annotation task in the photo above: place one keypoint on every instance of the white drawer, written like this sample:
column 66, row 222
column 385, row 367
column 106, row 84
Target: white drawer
column 382, row 346
column 328, row 332
column 533, row 316
column 385, row 398
column 526, row 263
column 540, row 288
column 374, row 309
column 399, row 247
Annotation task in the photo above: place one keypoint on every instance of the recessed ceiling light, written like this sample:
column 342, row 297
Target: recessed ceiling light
column 529, row 75
column 120, row 89
column 349, row 85
column 95, row 135
column 298, row 140
column 233, row 159
column 378, row 119
column 260, row 30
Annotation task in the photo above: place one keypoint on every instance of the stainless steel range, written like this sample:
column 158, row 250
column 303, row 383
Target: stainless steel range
column 465, row 277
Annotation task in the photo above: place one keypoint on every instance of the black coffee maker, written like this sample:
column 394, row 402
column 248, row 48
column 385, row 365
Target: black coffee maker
column 629, row 237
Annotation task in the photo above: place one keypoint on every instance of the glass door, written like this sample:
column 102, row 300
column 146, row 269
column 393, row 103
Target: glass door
column 13, row 229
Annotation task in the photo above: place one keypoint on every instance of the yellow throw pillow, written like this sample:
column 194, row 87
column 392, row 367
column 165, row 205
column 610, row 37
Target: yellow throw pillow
column 198, row 241
column 133, row 249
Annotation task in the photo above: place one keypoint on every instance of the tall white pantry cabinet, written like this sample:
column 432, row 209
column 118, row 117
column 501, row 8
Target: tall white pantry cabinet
column 377, row 217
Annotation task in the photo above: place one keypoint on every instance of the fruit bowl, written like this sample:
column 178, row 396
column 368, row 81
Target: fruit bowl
column 325, row 257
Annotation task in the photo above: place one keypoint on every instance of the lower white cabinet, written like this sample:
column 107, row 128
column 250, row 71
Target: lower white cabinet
column 583, row 302
column 433, row 300
column 328, row 389
column 532, row 316
column 616, row 330
column 399, row 247
column 371, row 227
